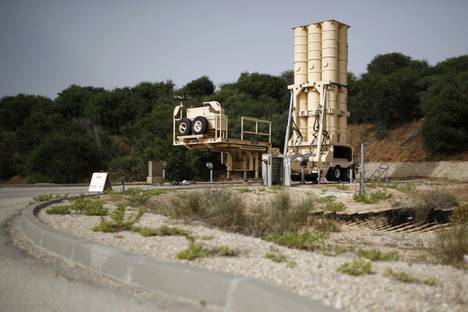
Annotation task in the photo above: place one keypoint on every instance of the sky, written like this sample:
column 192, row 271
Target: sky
column 47, row 45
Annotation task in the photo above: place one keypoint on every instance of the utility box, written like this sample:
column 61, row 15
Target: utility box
column 272, row 170
column 156, row 172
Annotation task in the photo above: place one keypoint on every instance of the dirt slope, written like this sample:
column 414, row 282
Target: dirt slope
column 403, row 143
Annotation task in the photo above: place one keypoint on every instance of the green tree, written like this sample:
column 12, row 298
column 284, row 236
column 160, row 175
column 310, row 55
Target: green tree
column 200, row 87
column 445, row 105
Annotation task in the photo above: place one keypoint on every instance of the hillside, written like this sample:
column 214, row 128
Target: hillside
column 403, row 143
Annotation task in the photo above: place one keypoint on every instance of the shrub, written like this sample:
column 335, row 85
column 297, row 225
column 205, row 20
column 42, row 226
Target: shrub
column 432, row 200
column 43, row 197
column 356, row 267
column 377, row 255
column 342, row 187
column 400, row 276
column 451, row 245
column 305, row 240
column 62, row 209
column 244, row 190
column 286, row 215
column 194, row 251
column 325, row 225
column 89, row 207
column 373, row 197
column 118, row 222
column 275, row 255
column 163, row 230
column 224, row 251
column 331, row 205
column 460, row 214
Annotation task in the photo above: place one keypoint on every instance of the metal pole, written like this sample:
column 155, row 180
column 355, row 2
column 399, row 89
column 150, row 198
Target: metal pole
column 211, row 175
column 362, row 187
column 164, row 175
column 286, row 138
column 122, row 181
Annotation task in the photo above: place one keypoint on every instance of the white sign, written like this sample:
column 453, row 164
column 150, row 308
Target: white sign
column 99, row 182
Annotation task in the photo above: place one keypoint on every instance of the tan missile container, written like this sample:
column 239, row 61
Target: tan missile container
column 319, row 141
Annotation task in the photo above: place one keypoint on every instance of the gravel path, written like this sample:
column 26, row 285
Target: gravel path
column 314, row 274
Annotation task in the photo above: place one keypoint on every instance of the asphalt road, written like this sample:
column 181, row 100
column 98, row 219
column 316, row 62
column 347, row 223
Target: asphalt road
column 29, row 283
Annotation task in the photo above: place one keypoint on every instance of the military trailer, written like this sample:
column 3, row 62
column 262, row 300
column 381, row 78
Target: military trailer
column 206, row 128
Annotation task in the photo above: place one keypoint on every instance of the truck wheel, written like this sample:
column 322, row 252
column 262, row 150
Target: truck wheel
column 345, row 174
column 334, row 173
column 199, row 125
column 184, row 126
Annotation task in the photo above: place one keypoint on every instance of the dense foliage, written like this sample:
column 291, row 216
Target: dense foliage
column 85, row 129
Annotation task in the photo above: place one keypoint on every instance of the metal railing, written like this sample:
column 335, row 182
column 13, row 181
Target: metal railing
column 256, row 132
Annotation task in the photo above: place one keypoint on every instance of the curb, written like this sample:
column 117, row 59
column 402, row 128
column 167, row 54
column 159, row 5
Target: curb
column 226, row 291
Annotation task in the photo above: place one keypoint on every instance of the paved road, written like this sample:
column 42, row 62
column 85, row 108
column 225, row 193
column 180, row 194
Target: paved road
column 35, row 284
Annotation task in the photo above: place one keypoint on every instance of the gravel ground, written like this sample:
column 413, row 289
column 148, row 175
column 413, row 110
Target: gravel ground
column 314, row 274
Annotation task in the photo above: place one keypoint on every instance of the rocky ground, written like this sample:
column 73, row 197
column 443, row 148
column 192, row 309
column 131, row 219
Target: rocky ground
column 311, row 274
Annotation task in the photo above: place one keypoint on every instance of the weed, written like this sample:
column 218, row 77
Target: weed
column 325, row 225
column 244, row 190
column 406, row 188
column 206, row 237
column 305, row 240
column 331, row 204
column 286, row 215
column 460, row 214
column 432, row 200
column 373, row 197
column 194, row 251
column 451, row 245
column 43, row 197
column 332, row 250
column 163, row 230
column 430, row 281
column 118, row 222
column 138, row 196
column 342, row 187
column 276, row 188
column 275, row 255
column 62, row 209
column 377, row 255
column 400, row 276
column 89, row 207
column 357, row 267
column 224, row 251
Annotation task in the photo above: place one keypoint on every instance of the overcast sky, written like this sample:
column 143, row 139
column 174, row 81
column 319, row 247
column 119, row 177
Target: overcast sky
column 47, row 45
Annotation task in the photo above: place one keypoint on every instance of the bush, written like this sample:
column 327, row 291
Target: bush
column 163, row 230
column 451, row 245
column 432, row 200
column 377, row 255
column 305, row 240
column 195, row 251
column 356, row 267
column 400, row 276
column 275, row 255
column 59, row 210
column 331, row 204
column 460, row 214
column 373, row 197
column 118, row 222
column 89, row 207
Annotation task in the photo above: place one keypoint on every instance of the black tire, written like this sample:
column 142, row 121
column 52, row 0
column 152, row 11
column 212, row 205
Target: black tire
column 345, row 174
column 200, row 125
column 334, row 173
column 184, row 127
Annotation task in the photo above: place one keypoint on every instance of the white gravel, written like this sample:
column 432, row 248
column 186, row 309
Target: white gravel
column 314, row 275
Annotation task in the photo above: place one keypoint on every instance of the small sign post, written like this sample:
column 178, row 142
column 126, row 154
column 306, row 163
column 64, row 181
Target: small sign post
column 100, row 182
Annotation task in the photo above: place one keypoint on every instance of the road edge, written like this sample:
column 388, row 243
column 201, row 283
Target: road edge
column 227, row 291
